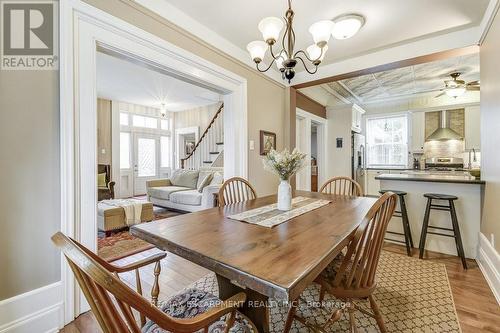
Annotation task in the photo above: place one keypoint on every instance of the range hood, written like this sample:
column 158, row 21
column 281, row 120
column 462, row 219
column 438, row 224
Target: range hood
column 444, row 132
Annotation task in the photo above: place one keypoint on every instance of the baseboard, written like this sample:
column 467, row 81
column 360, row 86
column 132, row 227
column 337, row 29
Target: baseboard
column 39, row 310
column 489, row 263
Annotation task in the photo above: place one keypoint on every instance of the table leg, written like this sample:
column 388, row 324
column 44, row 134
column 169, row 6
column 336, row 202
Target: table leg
column 256, row 307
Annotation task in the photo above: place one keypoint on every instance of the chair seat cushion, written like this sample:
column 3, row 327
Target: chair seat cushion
column 330, row 272
column 164, row 192
column 190, row 197
column 193, row 302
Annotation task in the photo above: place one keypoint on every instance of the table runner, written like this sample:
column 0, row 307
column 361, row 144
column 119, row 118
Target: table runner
column 269, row 216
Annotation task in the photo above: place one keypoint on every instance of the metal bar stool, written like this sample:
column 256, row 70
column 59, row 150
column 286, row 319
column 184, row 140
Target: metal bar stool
column 403, row 214
column 454, row 221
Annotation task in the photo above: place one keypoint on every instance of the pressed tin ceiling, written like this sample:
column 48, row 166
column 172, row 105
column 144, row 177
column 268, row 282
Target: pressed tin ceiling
column 388, row 22
column 427, row 78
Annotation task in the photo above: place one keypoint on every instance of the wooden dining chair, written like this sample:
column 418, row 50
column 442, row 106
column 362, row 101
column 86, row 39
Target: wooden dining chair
column 236, row 190
column 342, row 185
column 112, row 301
column 351, row 277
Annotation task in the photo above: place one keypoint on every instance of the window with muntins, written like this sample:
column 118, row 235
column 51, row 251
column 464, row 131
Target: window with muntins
column 387, row 141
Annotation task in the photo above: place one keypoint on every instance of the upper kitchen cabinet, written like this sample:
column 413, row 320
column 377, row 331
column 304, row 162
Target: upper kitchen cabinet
column 417, row 132
column 357, row 116
column 472, row 128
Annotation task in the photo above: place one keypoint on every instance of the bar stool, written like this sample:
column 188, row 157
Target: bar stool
column 454, row 221
column 403, row 214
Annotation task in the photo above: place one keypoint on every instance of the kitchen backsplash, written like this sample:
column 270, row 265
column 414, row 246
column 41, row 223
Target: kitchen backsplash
column 449, row 148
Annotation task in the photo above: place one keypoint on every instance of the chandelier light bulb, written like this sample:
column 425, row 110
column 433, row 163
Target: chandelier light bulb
column 321, row 31
column 257, row 50
column 271, row 27
column 347, row 26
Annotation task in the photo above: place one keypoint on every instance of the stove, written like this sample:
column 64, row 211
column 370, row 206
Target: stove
column 444, row 164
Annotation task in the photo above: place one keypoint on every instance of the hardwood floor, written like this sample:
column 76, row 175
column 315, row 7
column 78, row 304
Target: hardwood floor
column 476, row 306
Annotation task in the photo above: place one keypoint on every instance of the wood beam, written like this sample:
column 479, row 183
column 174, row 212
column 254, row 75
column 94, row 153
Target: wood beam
column 308, row 104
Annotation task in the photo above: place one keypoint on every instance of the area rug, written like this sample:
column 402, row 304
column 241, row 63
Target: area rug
column 122, row 244
column 413, row 295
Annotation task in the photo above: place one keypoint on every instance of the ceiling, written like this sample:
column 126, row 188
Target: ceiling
column 119, row 79
column 388, row 22
column 420, row 80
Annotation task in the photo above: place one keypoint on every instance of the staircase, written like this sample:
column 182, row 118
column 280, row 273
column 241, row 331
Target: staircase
column 209, row 150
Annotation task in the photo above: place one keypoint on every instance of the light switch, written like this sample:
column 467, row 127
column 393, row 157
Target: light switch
column 103, row 151
column 252, row 145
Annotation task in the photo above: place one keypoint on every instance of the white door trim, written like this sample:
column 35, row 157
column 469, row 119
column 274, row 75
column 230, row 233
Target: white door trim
column 82, row 29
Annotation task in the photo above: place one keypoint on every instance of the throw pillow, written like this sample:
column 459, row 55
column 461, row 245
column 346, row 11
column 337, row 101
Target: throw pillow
column 185, row 178
column 205, row 182
column 217, row 179
column 101, row 180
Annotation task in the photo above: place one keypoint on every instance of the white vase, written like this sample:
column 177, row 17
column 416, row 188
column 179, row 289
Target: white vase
column 284, row 195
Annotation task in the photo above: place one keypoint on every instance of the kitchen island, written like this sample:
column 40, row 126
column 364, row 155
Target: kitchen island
column 469, row 191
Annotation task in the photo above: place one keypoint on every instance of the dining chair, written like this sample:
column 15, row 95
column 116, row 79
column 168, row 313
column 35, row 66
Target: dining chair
column 342, row 185
column 235, row 190
column 352, row 276
column 112, row 301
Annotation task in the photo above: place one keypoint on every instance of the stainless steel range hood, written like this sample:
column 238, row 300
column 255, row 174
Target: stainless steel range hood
column 444, row 132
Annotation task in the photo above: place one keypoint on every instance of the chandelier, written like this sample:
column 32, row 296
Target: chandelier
column 287, row 58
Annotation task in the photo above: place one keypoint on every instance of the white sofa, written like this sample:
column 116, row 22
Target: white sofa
column 184, row 189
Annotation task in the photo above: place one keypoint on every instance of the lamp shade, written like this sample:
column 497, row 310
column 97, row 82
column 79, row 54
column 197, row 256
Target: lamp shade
column 321, row 31
column 314, row 52
column 455, row 92
column 347, row 26
column 257, row 50
column 270, row 27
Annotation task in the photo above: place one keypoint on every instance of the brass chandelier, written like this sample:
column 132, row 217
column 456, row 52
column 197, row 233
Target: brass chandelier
column 286, row 59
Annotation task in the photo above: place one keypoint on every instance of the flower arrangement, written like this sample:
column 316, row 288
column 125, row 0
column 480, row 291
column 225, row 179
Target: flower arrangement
column 284, row 164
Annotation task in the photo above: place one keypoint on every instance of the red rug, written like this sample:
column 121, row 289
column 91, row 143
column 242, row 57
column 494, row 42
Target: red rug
column 122, row 244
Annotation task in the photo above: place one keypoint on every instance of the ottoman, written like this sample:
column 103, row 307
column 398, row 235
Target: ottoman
column 110, row 218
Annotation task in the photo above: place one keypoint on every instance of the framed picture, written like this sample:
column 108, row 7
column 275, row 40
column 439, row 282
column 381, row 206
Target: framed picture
column 267, row 142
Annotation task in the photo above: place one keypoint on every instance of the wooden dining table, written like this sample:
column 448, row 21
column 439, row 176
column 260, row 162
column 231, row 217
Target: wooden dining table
column 275, row 263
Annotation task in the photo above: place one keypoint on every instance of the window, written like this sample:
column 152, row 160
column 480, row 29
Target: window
column 146, row 157
column 141, row 121
column 124, row 119
column 387, row 141
column 124, row 150
column 165, row 151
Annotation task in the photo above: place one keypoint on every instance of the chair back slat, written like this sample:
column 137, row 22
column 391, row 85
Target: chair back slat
column 342, row 186
column 359, row 265
column 236, row 190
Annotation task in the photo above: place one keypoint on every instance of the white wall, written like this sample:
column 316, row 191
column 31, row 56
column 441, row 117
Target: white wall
column 339, row 121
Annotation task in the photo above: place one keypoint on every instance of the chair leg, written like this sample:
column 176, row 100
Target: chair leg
column 378, row 314
column 290, row 317
column 229, row 321
column 423, row 234
column 458, row 237
column 322, row 292
column 352, row 318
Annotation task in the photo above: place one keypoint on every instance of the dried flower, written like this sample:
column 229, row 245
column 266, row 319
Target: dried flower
column 284, row 164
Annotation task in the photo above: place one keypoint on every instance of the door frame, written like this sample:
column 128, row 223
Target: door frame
column 177, row 143
column 83, row 29
column 322, row 138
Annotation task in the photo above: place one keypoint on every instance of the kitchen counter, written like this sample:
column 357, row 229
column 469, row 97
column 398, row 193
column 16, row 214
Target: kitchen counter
column 423, row 176
column 468, row 206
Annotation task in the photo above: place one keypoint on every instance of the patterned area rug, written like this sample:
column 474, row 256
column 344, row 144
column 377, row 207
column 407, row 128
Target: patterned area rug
column 413, row 295
column 122, row 244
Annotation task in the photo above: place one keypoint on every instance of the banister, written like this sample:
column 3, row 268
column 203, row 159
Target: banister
column 183, row 160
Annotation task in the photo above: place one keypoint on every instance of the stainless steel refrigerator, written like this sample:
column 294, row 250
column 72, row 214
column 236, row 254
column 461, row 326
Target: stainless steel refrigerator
column 358, row 159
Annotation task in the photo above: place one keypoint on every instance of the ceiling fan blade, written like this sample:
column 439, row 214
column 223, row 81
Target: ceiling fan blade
column 473, row 83
column 441, row 94
column 473, row 88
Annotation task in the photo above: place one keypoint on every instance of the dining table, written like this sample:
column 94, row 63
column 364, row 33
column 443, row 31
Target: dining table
column 269, row 264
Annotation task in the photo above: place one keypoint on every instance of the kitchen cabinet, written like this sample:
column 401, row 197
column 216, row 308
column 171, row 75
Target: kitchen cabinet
column 417, row 132
column 357, row 117
column 372, row 184
column 472, row 128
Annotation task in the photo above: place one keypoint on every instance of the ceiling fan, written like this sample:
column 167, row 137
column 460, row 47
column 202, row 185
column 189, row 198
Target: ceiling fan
column 455, row 87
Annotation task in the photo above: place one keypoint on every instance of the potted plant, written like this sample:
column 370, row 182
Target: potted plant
column 284, row 164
